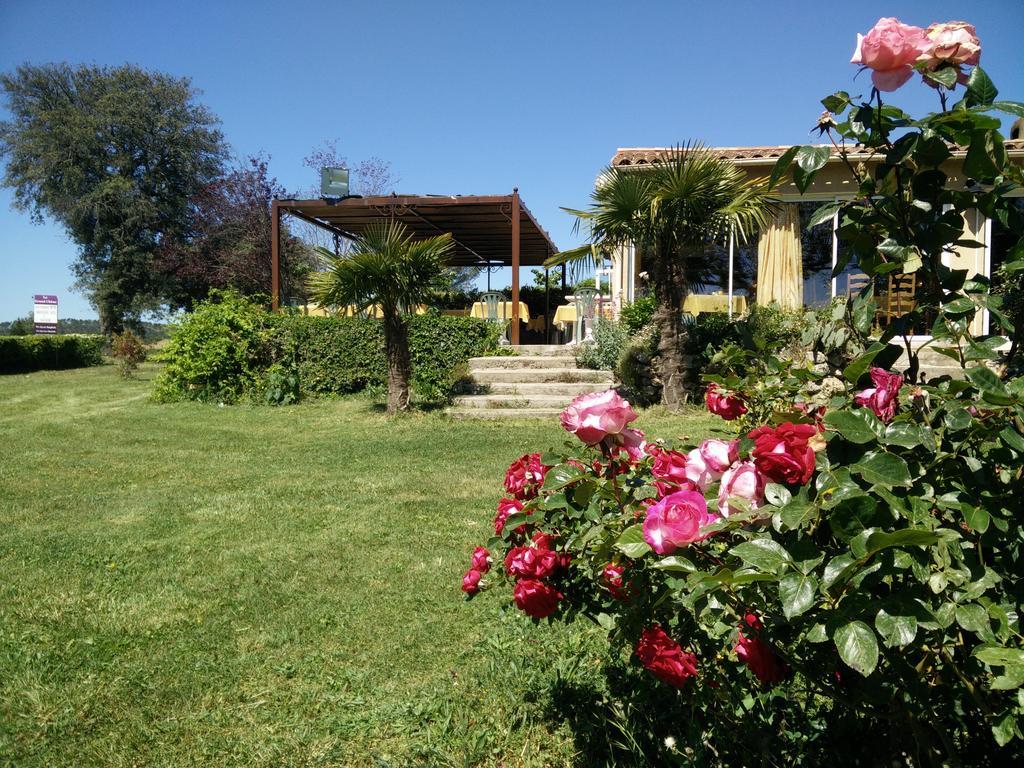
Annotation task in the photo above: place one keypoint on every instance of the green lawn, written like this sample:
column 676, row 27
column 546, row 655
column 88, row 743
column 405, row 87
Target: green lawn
column 249, row 586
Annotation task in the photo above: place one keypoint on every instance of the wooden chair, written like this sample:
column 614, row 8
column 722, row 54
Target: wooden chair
column 900, row 297
column 856, row 283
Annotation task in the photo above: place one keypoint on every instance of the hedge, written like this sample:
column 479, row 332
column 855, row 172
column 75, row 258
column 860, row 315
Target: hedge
column 341, row 355
column 231, row 349
column 23, row 354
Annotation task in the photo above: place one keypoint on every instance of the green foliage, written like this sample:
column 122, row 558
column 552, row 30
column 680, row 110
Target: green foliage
column 142, row 148
column 231, row 349
column 24, row 326
column 637, row 314
column 23, row 354
column 129, row 351
column 219, row 352
column 635, row 368
column 603, row 353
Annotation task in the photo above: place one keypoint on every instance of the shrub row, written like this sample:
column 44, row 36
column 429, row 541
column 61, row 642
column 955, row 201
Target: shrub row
column 22, row 354
column 231, row 349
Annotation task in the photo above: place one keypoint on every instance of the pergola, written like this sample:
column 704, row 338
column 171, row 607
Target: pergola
column 487, row 230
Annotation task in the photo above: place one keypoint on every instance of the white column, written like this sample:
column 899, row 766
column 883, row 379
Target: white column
column 732, row 246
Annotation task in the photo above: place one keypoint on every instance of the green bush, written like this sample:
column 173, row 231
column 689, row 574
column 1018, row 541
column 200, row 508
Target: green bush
column 220, row 352
column 637, row 314
column 231, row 348
column 610, row 338
column 635, row 369
column 22, row 354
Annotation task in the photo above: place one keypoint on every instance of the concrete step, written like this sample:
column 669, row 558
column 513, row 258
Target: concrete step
column 509, row 414
column 542, row 349
column 513, row 401
column 539, row 375
column 547, row 388
column 521, row 361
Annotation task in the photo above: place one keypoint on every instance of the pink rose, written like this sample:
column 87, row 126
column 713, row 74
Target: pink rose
column 481, row 560
column 757, row 654
column 525, row 477
column 884, row 397
column 890, row 49
column 664, row 658
column 676, row 521
column 785, row 454
column 669, row 470
column 471, row 582
column 741, row 481
column 951, row 42
column 727, row 406
column 505, row 508
column 706, row 463
column 535, row 598
column 593, row 417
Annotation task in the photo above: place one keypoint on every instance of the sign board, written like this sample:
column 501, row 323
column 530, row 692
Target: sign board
column 334, row 182
column 44, row 313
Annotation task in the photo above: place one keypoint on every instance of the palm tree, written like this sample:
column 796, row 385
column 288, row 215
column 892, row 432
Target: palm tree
column 388, row 269
column 670, row 211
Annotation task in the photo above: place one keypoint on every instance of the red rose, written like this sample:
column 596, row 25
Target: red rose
column 664, row 657
column 471, row 582
column 757, row 654
column 505, row 508
column 525, row 477
column 535, row 561
column 535, row 598
column 481, row 560
column 783, row 454
column 612, row 578
column 727, row 406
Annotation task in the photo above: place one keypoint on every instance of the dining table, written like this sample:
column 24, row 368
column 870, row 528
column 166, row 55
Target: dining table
column 696, row 303
column 479, row 310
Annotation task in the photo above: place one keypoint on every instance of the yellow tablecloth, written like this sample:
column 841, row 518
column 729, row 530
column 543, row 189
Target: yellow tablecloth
column 696, row 303
column 504, row 311
column 315, row 310
column 565, row 315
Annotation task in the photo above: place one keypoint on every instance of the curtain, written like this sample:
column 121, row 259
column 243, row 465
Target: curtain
column 780, row 273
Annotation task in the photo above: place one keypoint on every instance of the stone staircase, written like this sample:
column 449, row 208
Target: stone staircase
column 537, row 382
column 933, row 364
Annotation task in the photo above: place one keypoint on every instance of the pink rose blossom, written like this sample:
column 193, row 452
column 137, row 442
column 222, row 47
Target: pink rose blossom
column 612, row 578
column 884, row 397
column 676, row 521
column 758, row 654
column 536, row 598
column 664, row 658
column 594, row 416
column 629, row 440
column 706, row 463
column 890, row 49
column 951, row 42
column 741, row 481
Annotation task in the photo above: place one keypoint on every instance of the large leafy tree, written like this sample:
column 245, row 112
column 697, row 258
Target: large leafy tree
column 114, row 155
column 671, row 211
column 227, row 244
column 386, row 268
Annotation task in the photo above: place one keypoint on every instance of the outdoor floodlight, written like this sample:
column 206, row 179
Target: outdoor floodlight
column 334, row 182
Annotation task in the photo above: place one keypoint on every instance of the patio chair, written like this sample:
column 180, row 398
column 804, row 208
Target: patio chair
column 583, row 327
column 901, row 296
column 492, row 301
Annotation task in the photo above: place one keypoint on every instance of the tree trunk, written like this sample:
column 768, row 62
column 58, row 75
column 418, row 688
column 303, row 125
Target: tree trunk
column 396, row 346
column 669, row 292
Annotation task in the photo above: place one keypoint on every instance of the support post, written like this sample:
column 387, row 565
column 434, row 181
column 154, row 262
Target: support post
column 515, row 266
column 275, row 255
column 547, row 307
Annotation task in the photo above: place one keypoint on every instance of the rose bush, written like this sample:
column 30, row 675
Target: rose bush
column 842, row 582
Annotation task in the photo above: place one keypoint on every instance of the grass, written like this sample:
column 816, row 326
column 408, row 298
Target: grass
column 250, row 586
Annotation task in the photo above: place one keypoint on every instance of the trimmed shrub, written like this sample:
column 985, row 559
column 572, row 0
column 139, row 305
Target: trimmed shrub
column 636, row 314
column 231, row 349
column 23, row 354
column 219, row 352
column 129, row 351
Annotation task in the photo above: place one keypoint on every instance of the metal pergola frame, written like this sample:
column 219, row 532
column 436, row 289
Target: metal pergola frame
column 486, row 229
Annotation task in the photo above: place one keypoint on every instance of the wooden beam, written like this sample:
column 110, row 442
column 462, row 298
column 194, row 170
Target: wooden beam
column 275, row 255
column 515, row 265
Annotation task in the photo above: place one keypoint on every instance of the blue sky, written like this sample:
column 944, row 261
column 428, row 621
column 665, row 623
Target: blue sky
column 474, row 97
